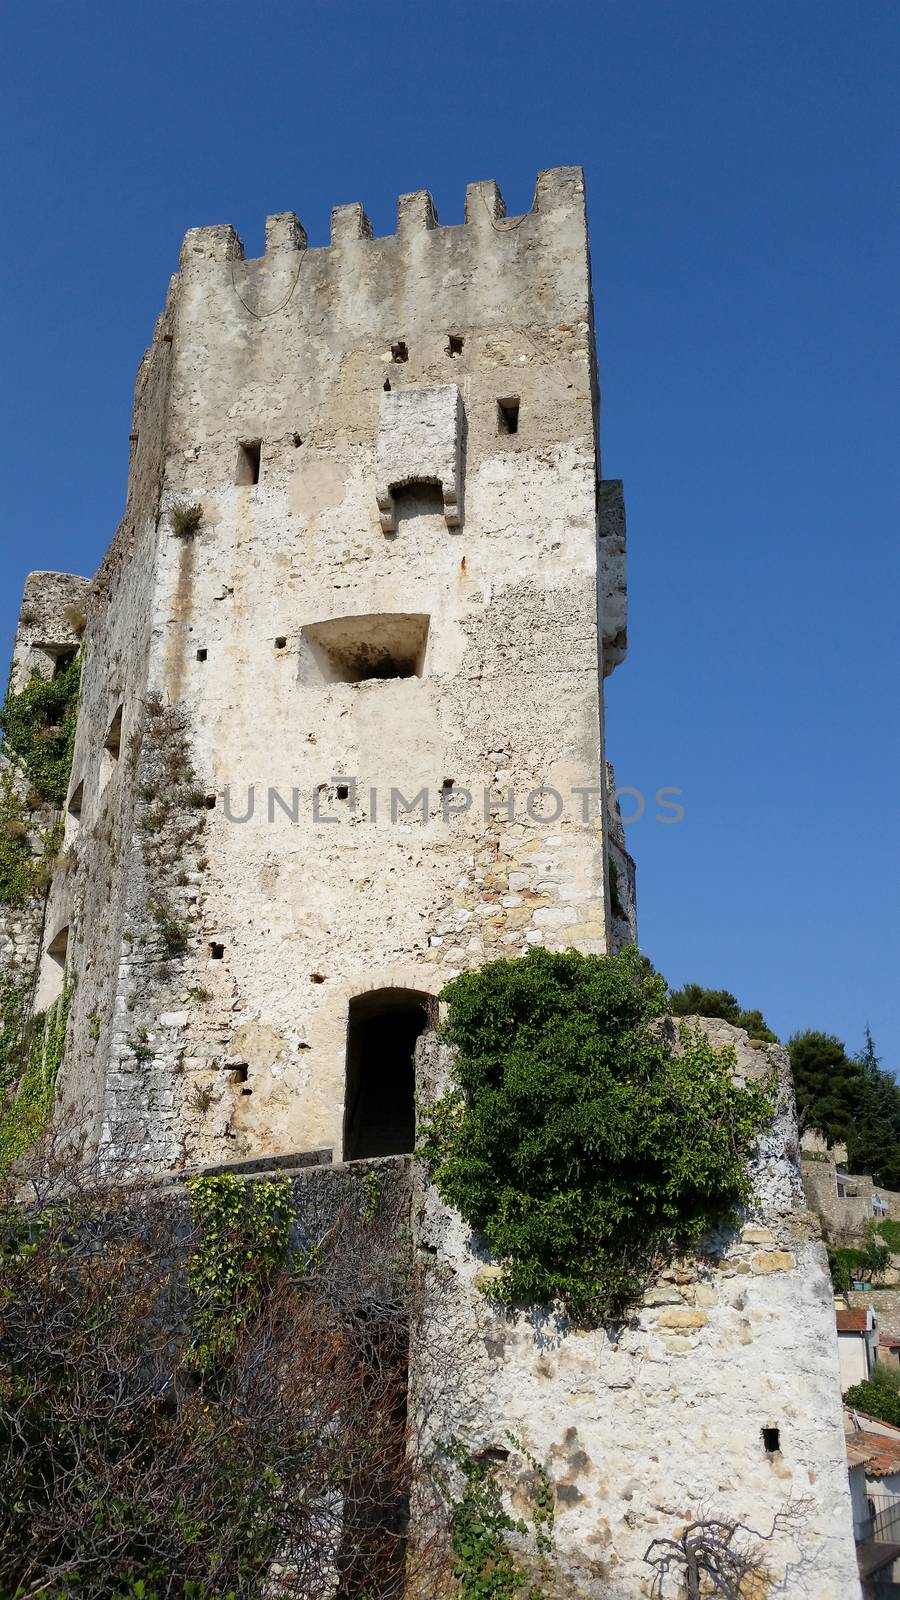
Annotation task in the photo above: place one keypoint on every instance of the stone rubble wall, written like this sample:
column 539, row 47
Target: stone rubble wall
column 644, row 1426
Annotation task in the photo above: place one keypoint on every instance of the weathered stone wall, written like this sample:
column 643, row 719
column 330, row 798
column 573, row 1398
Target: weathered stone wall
column 846, row 1217
column 646, row 1425
column 106, row 771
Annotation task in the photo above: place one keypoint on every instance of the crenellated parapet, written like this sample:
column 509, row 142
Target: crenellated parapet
column 559, row 193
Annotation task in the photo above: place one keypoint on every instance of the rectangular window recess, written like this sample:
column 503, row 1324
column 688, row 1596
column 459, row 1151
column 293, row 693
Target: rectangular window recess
column 63, row 659
column 248, row 461
column 508, row 415
column 76, row 800
column 238, row 1072
column 202, row 654
column 216, row 950
column 355, row 649
column 455, row 342
column 112, row 744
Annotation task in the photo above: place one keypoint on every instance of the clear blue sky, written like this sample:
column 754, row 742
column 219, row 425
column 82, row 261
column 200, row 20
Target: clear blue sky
column 742, row 175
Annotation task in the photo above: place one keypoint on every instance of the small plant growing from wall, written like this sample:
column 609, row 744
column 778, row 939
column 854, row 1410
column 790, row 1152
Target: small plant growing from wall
column 185, row 518
column 76, row 617
column 575, row 1139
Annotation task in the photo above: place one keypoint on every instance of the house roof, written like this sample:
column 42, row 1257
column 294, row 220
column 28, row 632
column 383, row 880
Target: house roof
column 892, row 1340
column 880, row 1455
column 854, row 1320
column 859, row 1453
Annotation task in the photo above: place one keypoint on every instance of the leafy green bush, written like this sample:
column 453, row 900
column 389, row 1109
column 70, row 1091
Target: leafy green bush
column 38, row 725
column 877, row 1397
column 695, row 1001
column 575, row 1139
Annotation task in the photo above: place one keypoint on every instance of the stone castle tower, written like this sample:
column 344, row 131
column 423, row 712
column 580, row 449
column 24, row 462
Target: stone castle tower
column 340, row 737
column 344, row 738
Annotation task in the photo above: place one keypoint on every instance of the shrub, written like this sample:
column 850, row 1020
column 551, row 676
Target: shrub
column 185, row 517
column 126, row 1471
column 877, row 1397
column 575, row 1139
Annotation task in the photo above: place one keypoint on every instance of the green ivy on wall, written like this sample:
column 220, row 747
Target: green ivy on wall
column 486, row 1566
column 576, row 1139
column 33, row 1056
column 38, row 726
column 243, row 1228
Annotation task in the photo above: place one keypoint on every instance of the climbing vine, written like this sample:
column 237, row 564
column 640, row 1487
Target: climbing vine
column 243, row 1229
column 22, row 874
column 576, row 1139
column 38, row 725
column 33, row 1056
column 486, row 1566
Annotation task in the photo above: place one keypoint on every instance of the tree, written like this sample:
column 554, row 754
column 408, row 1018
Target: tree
column 827, row 1083
column 695, row 1001
column 873, row 1143
column 712, row 1556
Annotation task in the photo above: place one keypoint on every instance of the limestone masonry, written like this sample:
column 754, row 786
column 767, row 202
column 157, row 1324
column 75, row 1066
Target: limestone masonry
column 340, row 737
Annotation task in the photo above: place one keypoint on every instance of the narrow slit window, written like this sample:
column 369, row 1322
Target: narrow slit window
column 508, row 415
column 771, row 1440
column 51, row 976
column 113, row 741
column 112, row 749
column 248, row 461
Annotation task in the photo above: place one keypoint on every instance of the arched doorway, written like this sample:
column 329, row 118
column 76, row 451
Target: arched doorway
column 379, row 1104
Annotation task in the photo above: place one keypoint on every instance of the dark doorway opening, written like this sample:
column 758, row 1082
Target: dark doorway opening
column 379, row 1109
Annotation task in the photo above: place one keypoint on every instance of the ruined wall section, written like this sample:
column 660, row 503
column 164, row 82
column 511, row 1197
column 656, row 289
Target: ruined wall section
column 644, row 1426
column 101, row 832
column 50, row 625
column 282, row 368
